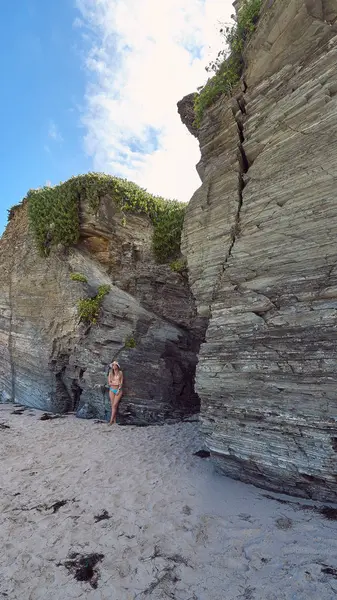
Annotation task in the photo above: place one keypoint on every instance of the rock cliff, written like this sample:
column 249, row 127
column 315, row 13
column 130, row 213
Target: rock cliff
column 260, row 240
column 51, row 360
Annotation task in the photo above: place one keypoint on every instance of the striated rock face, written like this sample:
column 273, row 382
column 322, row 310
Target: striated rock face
column 260, row 237
column 51, row 361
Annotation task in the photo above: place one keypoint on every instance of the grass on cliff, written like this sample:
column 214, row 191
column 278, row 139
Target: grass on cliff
column 54, row 212
column 130, row 342
column 78, row 277
column 228, row 70
column 88, row 308
column 179, row 265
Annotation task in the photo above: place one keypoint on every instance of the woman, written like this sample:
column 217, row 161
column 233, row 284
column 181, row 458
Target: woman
column 115, row 383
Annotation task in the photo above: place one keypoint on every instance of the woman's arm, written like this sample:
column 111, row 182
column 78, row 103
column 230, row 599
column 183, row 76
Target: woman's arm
column 120, row 381
column 109, row 377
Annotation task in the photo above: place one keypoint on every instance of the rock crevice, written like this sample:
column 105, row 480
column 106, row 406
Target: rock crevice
column 238, row 108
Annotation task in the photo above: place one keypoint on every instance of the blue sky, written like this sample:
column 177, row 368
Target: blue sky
column 92, row 85
column 42, row 83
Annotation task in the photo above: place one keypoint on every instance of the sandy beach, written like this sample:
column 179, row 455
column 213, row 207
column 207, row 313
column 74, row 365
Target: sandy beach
column 124, row 513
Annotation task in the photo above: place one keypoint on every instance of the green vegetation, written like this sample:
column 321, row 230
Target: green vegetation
column 12, row 210
column 54, row 211
column 179, row 265
column 130, row 342
column 88, row 308
column 228, row 70
column 53, row 215
column 78, row 277
column 168, row 223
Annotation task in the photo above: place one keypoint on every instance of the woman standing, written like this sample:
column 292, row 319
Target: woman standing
column 115, row 383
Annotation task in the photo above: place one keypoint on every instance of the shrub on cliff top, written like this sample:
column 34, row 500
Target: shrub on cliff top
column 54, row 215
column 228, row 70
column 12, row 210
column 54, row 211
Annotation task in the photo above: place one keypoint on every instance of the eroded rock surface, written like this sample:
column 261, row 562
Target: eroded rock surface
column 49, row 360
column 260, row 239
column 186, row 113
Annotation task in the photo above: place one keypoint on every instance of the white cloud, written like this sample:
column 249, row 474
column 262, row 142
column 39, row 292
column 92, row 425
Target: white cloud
column 54, row 132
column 144, row 56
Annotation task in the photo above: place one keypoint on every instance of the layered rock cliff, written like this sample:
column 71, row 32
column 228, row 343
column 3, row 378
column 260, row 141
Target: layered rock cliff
column 51, row 360
column 261, row 244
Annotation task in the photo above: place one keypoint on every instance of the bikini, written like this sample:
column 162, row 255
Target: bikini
column 115, row 391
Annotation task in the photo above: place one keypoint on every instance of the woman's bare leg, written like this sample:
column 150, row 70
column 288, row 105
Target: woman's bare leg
column 112, row 400
column 115, row 407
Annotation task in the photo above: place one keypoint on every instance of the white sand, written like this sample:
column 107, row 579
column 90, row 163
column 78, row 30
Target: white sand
column 177, row 529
